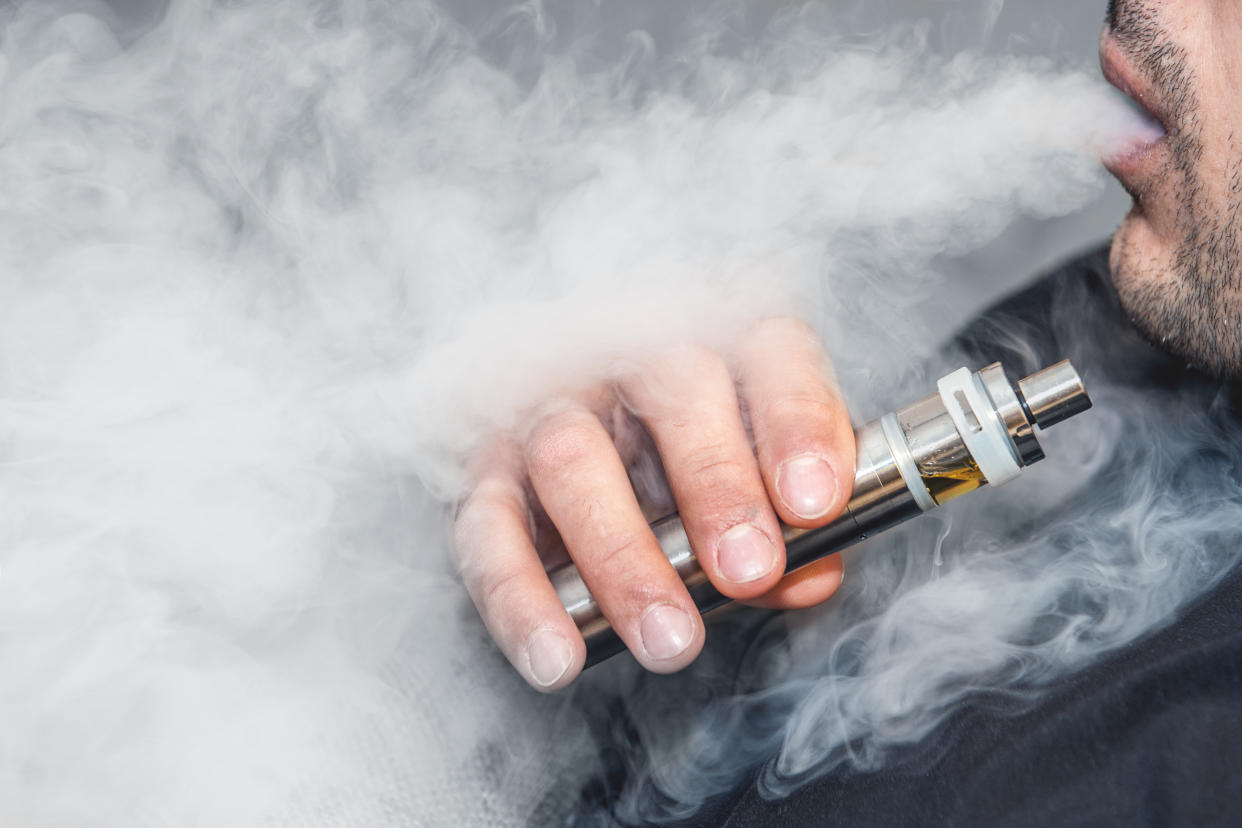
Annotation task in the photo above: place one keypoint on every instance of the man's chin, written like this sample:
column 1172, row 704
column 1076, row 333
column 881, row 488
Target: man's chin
column 1134, row 245
column 1166, row 312
column 1143, row 283
column 1136, row 240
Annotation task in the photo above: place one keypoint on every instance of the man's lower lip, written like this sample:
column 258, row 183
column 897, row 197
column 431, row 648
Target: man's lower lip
column 1136, row 160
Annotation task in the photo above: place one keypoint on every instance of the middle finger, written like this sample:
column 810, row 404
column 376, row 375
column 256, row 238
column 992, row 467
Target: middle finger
column 580, row 480
column 689, row 404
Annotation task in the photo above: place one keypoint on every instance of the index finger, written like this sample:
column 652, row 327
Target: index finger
column 502, row 572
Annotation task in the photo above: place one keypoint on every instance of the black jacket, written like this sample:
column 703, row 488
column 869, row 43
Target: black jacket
column 1151, row 734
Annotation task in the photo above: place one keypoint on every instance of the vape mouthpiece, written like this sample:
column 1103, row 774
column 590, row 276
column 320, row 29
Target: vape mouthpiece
column 1054, row 394
column 977, row 429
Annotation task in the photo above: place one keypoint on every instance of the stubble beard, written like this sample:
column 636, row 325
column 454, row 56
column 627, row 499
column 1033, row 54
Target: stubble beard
column 1195, row 310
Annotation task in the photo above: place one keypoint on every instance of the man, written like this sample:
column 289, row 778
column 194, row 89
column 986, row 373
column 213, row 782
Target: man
column 1177, row 258
column 801, row 470
column 1153, row 734
column 1176, row 264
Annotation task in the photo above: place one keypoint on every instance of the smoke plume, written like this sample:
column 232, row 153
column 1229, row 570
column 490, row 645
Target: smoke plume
column 271, row 272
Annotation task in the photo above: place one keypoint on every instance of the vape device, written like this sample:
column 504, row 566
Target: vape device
column 977, row 429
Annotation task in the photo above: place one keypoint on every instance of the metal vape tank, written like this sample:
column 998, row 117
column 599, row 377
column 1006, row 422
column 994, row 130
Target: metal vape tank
column 978, row 429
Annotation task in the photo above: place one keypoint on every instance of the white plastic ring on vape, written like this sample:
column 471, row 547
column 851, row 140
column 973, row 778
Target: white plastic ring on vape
column 900, row 450
column 976, row 419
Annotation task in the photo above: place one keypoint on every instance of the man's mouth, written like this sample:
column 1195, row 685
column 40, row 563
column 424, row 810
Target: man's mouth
column 1136, row 157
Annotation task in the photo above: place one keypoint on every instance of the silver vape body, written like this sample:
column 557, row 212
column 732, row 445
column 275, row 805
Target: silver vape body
column 977, row 429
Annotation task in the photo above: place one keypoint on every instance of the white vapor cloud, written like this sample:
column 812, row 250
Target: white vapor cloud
column 271, row 272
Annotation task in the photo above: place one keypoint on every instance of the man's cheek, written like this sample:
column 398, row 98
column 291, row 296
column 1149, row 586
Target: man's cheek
column 1221, row 77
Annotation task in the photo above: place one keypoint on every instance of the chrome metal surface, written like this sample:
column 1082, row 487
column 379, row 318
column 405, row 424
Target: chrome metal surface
column 1054, row 394
column 1009, row 407
column 881, row 496
column 581, row 605
column 900, row 450
column 932, row 437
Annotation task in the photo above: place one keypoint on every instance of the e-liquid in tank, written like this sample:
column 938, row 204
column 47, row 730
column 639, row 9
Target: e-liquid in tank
column 977, row 429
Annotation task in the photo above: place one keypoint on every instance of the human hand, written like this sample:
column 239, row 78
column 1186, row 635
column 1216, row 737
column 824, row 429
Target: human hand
column 563, row 486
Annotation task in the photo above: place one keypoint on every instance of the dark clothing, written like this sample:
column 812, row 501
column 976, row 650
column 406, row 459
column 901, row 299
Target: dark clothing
column 1151, row 735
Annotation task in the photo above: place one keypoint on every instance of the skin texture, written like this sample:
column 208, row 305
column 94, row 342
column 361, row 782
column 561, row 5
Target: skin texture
column 1177, row 257
column 566, row 487
column 746, row 440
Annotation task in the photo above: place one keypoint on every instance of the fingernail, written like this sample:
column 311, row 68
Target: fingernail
column 807, row 485
column 666, row 632
column 745, row 554
column 549, row 655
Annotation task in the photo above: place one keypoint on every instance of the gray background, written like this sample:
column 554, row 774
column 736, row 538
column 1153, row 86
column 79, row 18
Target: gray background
column 1066, row 31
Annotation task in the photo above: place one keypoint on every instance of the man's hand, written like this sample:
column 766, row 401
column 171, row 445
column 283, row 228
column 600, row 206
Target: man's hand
column 565, row 485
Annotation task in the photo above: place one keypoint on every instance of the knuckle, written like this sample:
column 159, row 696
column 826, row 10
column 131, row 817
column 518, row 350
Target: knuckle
column 619, row 554
column 491, row 503
column 691, row 360
column 659, row 390
column 503, row 590
column 713, row 461
column 701, row 361
column 562, row 440
column 788, row 325
column 802, row 330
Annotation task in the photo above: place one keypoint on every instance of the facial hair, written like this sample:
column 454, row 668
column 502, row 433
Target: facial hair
column 1194, row 312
